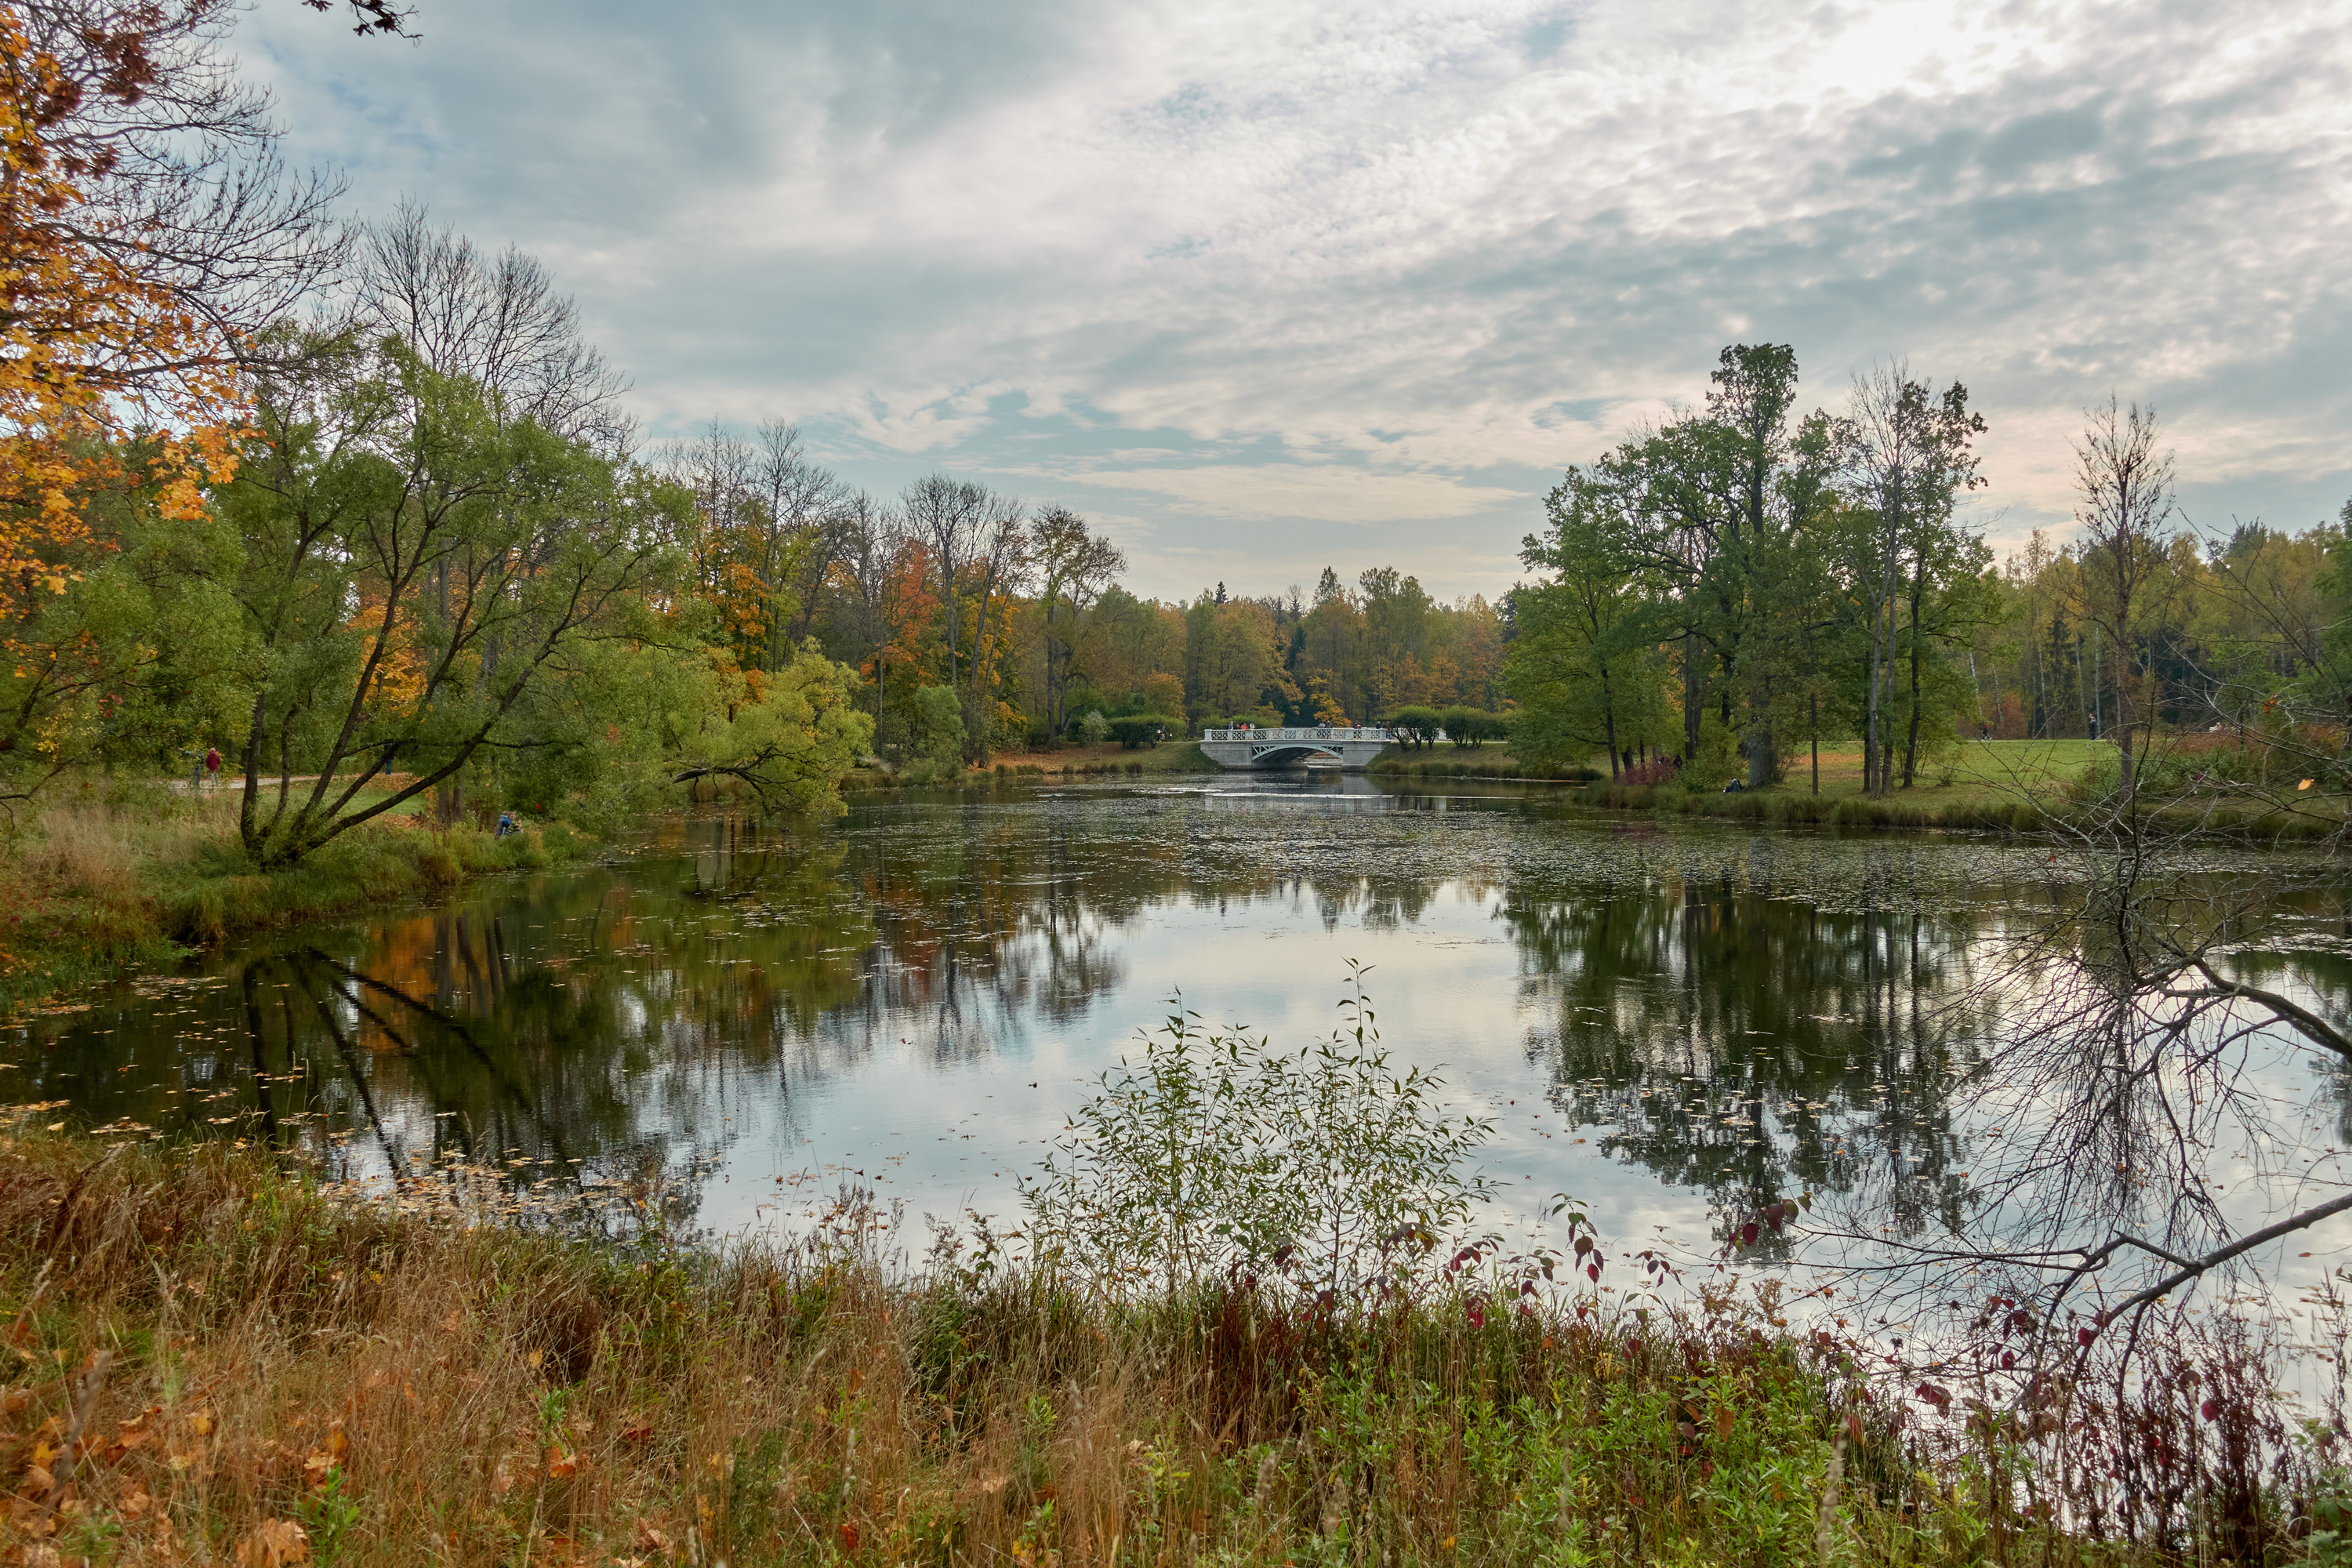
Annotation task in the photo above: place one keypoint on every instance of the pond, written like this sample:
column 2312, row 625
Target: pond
column 1673, row 1022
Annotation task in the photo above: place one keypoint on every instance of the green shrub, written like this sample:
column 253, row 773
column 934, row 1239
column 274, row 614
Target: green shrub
column 938, row 735
column 1216, row 1153
column 1145, row 728
column 1717, row 762
column 1467, row 726
column 1416, row 725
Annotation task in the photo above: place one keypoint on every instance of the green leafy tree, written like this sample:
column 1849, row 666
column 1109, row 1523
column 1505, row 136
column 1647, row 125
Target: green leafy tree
column 939, row 734
column 1074, row 568
column 1416, row 725
column 412, row 564
column 790, row 736
column 1583, row 664
column 1906, row 456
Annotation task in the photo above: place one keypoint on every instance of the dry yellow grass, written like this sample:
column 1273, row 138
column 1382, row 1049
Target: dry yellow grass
column 214, row 1360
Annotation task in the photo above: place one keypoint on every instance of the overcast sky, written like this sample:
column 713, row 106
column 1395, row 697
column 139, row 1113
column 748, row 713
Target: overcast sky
column 1263, row 285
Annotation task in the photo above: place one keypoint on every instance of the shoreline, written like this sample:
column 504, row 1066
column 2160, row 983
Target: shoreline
column 117, row 893
column 1992, row 810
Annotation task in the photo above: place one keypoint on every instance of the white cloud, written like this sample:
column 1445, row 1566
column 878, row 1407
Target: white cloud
column 1394, row 263
column 1325, row 493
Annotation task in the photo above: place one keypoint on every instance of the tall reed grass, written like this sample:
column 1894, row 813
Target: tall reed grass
column 221, row 1358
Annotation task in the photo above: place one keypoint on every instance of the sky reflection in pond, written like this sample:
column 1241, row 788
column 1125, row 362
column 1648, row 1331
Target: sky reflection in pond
column 1674, row 1025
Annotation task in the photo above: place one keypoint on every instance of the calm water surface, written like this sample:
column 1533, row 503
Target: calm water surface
column 1673, row 1024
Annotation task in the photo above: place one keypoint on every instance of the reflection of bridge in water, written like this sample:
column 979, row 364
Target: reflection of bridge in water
column 1352, row 746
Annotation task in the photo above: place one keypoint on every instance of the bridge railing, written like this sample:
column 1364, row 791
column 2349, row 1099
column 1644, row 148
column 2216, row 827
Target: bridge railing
column 1273, row 736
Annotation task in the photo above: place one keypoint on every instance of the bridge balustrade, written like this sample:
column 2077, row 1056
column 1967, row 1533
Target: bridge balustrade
column 1301, row 732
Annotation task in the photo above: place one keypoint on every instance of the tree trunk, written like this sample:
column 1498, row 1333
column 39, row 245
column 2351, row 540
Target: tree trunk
column 1763, row 747
column 1870, row 758
column 1053, row 687
column 1609, row 718
column 1911, row 740
column 1691, row 697
column 2124, row 718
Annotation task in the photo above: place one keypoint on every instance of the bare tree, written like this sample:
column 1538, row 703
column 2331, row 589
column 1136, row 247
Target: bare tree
column 379, row 16
column 804, row 504
column 2116, row 1066
column 976, row 540
column 716, row 469
column 498, row 321
column 872, row 540
column 2123, row 487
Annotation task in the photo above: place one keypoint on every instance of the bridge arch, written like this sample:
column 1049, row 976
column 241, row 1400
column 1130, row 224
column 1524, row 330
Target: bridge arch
column 1353, row 746
column 1284, row 756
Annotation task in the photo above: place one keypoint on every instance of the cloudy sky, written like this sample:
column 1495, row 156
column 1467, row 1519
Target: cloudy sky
column 1263, row 285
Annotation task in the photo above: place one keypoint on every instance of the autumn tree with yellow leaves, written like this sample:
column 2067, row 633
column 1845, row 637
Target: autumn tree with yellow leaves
column 146, row 227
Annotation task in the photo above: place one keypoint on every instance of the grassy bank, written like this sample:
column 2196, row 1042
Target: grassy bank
column 1064, row 762
column 219, row 1359
column 1167, row 757
column 1989, row 785
column 103, row 882
column 1487, row 762
column 1992, row 786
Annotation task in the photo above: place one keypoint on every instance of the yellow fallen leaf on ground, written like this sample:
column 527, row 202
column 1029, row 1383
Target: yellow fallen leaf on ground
column 275, row 1543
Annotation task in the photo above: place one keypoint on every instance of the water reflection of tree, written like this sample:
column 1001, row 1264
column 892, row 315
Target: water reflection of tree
column 611, row 1020
column 1730, row 1036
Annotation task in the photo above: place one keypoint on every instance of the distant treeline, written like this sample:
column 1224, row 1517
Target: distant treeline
column 977, row 622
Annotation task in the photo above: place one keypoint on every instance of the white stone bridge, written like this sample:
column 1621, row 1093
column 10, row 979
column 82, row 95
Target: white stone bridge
column 1288, row 748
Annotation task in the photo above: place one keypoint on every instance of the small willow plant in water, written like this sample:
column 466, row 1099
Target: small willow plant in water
column 1215, row 1154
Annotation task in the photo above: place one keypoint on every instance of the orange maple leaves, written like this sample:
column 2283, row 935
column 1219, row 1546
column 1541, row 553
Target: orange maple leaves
column 93, row 354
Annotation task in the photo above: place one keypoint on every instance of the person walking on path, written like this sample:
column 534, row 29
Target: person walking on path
column 212, row 764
